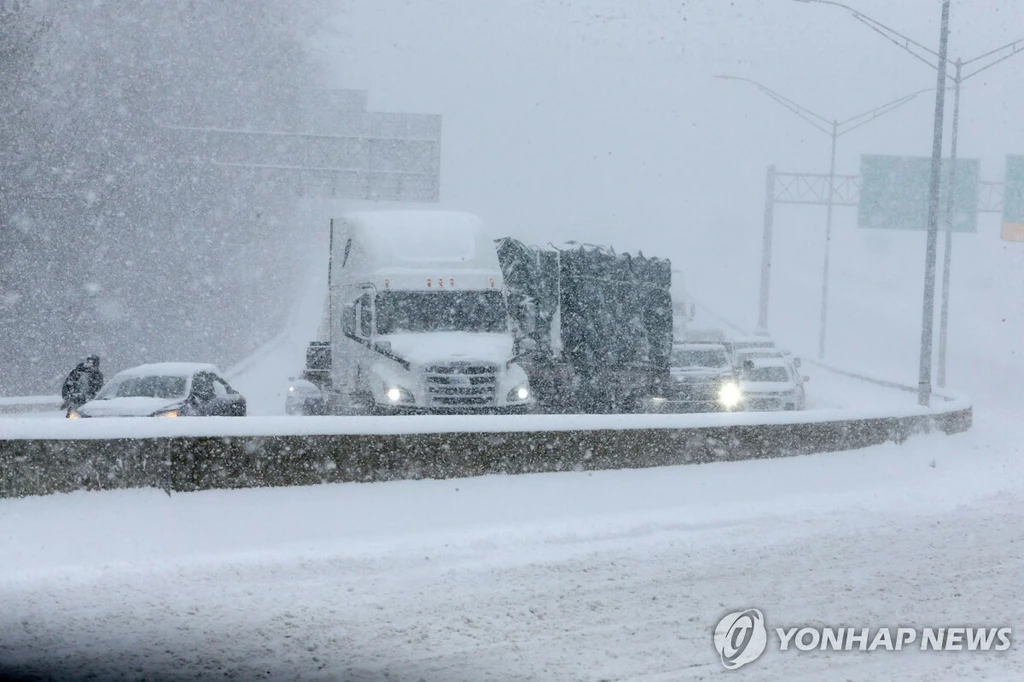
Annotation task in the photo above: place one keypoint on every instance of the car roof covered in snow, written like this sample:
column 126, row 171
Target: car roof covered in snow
column 698, row 345
column 169, row 369
column 765, row 351
column 767, row 362
column 704, row 335
column 753, row 340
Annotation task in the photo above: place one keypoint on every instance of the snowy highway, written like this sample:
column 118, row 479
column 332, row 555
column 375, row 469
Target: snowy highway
column 576, row 576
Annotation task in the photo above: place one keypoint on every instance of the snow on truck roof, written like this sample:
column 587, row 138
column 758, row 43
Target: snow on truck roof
column 421, row 237
column 169, row 369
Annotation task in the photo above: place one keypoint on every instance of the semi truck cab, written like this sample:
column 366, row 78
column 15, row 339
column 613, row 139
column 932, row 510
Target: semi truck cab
column 418, row 317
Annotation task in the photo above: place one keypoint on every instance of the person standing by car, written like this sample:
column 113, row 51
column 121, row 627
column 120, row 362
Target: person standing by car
column 82, row 384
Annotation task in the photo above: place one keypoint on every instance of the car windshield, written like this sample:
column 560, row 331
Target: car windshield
column 710, row 358
column 168, row 387
column 767, row 374
column 440, row 311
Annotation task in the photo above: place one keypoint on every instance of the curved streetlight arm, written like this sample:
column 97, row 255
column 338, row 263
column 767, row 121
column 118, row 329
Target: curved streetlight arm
column 833, row 127
column 909, row 44
column 1014, row 47
column 801, row 111
column 896, row 38
column 871, row 115
column 890, row 33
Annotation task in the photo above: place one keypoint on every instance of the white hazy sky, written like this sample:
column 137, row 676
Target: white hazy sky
column 601, row 120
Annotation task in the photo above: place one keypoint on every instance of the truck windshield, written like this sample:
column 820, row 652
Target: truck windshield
column 440, row 311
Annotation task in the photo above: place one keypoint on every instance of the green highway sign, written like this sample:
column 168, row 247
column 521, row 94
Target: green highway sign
column 894, row 193
column 1013, row 200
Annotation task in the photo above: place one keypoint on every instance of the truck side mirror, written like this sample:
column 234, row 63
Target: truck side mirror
column 348, row 319
column 527, row 345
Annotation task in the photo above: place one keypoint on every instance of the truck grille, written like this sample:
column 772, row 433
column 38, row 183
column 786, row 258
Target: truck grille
column 462, row 384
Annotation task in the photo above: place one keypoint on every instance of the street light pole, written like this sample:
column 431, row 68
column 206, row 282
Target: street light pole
column 914, row 49
column 828, row 241
column 833, row 129
column 924, row 384
column 947, row 251
column 766, row 249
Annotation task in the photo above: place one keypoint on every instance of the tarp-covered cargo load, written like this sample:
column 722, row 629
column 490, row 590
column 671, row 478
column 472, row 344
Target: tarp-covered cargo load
column 599, row 320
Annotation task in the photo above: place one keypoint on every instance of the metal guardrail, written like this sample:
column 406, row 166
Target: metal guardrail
column 40, row 465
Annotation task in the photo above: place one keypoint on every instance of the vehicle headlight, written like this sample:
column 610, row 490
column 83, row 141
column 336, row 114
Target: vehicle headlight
column 518, row 394
column 397, row 394
column 729, row 395
column 167, row 413
column 291, row 389
column 74, row 415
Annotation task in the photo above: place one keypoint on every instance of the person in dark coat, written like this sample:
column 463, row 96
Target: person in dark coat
column 83, row 383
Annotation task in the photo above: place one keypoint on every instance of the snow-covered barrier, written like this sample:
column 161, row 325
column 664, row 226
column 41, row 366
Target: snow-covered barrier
column 31, row 403
column 199, row 454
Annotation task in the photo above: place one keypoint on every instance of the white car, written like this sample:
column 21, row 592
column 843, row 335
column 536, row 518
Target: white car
column 770, row 384
column 304, row 398
column 165, row 389
column 745, row 354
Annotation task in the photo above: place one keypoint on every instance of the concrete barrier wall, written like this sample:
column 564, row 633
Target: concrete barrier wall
column 39, row 466
column 32, row 403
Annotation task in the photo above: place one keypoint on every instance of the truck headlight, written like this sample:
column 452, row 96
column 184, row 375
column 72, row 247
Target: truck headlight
column 518, row 394
column 73, row 414
column 729, row 395
column 397, row 394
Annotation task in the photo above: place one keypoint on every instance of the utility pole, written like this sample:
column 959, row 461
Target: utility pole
column 924, row 382
column 947, row 251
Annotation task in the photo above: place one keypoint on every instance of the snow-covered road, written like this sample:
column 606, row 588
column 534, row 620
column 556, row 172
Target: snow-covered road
column 576, row 576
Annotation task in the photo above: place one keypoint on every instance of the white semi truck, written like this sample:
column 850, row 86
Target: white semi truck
column 416, row 319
